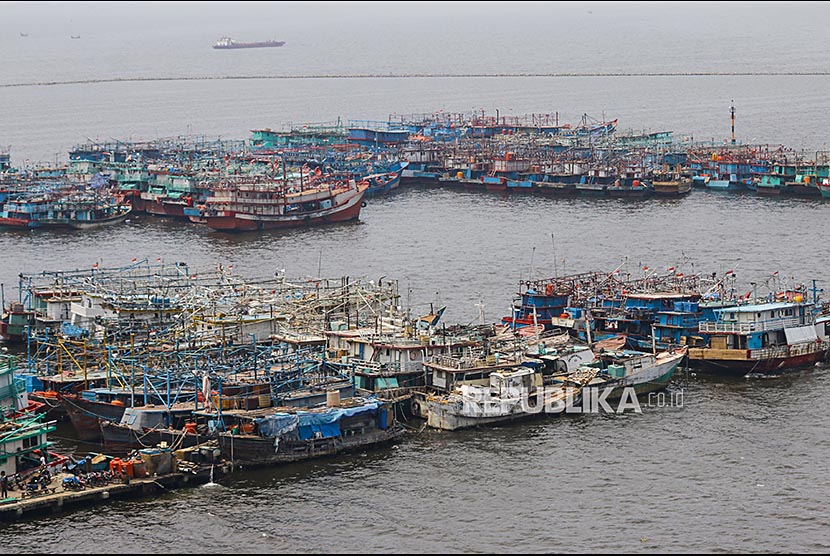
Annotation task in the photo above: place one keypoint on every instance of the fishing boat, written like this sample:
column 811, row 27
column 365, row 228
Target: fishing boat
column 644, row 372
column 723, row 183
column 629, row 188
column 671, row 184
column 679, row 325
column 824, row 188
column 196, row 214
column 762, row 338
column 701, row 180
column 15, row 323
column 88, row 408
column 170, row 194
column 510, row 395
column 84, row 213
column 227, row 43
column 266, row 206
column 25, row 212
column 274, row 437
column 770, row 184
column 102, row 216
column 542, row 302
column 596, row 183
column 805, row 182
column 384, row 182
column 141, row 427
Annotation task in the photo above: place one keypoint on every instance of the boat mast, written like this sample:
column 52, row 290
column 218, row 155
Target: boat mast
column 732, row 115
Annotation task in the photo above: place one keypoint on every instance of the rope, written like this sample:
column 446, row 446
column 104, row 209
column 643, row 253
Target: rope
column 85, row 411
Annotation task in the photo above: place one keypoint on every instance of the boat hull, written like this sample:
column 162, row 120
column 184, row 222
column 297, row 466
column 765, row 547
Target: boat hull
column 250, row 450
column 86, row 415
column 766, row 190
column 628, row 193
column 92, row 224
column 652, row 380
column 723, row 185
column 19, row 223
column 119, row 436
column 162, row 208
column 444, row 417
column 672, row 188
column 767, row 366
column 230, row 221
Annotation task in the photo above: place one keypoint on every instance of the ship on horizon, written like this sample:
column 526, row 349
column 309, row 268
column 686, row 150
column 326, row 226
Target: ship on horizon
column 227, row 43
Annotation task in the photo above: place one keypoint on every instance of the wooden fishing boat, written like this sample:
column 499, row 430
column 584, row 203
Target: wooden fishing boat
column 249, row 207
column 762, row 338
column 671, row 185
column 275, row 437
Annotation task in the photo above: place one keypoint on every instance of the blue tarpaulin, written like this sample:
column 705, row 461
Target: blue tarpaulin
column 307, row 424
column 318, row 430
column 277, row 425
column 73, row 331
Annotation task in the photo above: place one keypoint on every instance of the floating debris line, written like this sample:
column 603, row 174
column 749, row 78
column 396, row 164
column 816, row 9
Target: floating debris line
column 418, row 76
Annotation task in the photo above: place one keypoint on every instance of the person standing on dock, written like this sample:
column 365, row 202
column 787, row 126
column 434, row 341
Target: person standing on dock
column 4, row 485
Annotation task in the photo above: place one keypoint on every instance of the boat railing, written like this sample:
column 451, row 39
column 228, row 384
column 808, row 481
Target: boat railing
column 457, row 362
column 747, row 327
column 376, row 367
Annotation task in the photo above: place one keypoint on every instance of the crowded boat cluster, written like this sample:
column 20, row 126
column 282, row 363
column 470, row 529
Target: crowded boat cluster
column 320, row 173
column 182, row 374
column 183, row 370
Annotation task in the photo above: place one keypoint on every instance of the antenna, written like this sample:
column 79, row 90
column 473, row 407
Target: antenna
column 553, row 243
column 532, row 253
column 320, row 264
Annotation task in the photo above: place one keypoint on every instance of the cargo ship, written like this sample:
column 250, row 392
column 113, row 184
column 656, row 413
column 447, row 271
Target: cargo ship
column 227, row 43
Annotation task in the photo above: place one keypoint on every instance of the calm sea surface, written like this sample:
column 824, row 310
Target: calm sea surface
column 741, row 466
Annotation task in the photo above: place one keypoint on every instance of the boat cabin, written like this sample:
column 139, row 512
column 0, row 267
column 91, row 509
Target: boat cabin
column 758, row 326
